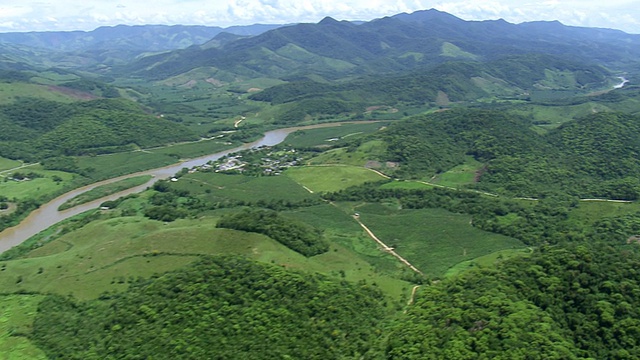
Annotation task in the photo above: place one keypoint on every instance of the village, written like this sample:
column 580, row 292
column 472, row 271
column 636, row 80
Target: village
column 262, row 161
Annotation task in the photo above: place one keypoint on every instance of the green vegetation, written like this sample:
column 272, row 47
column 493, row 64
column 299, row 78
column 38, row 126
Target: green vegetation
column 433, row 240
column 297, row 236
column 7, row 164
column 105, row 190
column 331, row 178
column 519, row 310
column 246, row 301
column 497, row 148
column 16, row 322
column 37, row 183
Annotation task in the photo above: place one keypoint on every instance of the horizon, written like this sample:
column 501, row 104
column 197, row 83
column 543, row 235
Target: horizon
column 94, row 14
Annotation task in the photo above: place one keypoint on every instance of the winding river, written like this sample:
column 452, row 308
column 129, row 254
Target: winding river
column 48, row 214
column 623, row 82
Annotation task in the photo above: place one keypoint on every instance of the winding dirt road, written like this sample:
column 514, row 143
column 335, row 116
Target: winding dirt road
column 385, row 247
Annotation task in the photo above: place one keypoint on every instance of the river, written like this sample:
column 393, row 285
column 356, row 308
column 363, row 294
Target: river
column 48, row 214
column 623, row 82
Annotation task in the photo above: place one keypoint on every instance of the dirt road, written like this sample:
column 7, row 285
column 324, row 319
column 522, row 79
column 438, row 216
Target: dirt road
column 385, row 247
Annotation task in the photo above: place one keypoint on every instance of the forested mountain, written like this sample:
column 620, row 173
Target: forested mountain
column 34, row 129
column 595, row 156
column 138, row 38
column 511, row 77
column 338, row 48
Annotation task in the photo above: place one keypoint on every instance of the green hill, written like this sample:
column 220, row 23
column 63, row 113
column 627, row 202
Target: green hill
column 36, row 129
column 220, row 308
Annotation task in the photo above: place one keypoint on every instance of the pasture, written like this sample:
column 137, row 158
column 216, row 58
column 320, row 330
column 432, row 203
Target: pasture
column 464, row 174
column 193, row 149
column 105, row 190
column 433, row 240
column 216, row 187
column 8, row 164
column 108, row 166
column 331, row 177
column 331, row 136
column 10, row 92
column 105, row 255
column 51, row 182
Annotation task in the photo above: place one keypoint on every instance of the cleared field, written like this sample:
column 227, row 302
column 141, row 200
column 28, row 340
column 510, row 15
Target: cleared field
column 342, row 229
column 331, row 136
column 106, row 255
column 193, row 149
column 105, row 190
column 16, row 319
column 112, row 165
column 460, row 175
column 486, row 260
column 331, row 178
column 9, row 92
column 433, row 240
column 6, row 164
column 587, row 212
column 216, row 187
column 370, row 150
column 36, row 187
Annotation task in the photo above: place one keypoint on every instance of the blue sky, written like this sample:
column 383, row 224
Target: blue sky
column 44, row 15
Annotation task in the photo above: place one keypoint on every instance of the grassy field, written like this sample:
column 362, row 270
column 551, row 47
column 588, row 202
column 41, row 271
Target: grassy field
column 16, row 319
column 342, row 229
column 488, row 260
column 331, row 178
column 588, row 212
column 6, row 164
column 112, row 165
column 460, row 175
column 216, row 187
column 194, row 149
column 37, row 187
column 433, row 240
column 370, row 150
column 547, row 116
column 105, row 190
column 106, row 255
column 331, row 136
column 9, row 92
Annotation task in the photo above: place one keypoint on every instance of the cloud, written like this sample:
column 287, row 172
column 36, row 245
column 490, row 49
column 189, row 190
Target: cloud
column 89, row 14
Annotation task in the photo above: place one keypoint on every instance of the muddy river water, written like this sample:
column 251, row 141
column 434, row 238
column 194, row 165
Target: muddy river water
column 48, row 214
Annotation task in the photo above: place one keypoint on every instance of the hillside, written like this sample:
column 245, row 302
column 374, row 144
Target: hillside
column 434, row 188
column 335, row 49
column 140, row 38
column 514, row 77
column 294, row 314
column 37, row 129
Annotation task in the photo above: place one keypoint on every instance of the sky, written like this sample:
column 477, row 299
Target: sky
column 64, row 15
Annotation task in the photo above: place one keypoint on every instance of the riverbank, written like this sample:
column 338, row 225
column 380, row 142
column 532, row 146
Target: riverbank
column 48, row 214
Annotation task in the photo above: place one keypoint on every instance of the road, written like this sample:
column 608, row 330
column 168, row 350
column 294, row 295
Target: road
column 385, row 247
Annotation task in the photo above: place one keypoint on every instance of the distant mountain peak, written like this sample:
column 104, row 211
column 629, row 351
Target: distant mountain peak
column 427, row 15
column 328, row 21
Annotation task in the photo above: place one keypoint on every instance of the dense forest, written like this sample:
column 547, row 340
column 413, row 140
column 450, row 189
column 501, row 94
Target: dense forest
column 35, row 130
column 293, row 234
column 219, row 308
column 571, row 302
column 593, row 157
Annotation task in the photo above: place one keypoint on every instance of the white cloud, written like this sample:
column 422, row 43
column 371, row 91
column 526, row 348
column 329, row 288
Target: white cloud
column 89, row 14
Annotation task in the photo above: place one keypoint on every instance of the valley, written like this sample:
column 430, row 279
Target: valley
column 415, row 186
